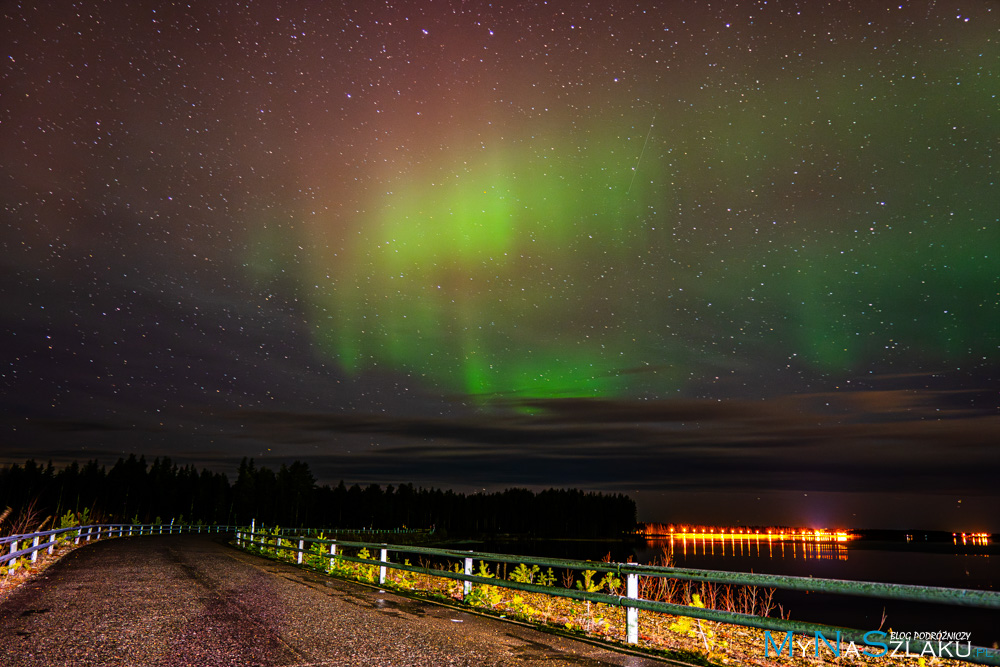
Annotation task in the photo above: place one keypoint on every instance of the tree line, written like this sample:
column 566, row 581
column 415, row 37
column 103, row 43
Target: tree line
column 134, row 491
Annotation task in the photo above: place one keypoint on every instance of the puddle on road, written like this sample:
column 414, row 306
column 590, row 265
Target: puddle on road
column 532, row 650
column 410, row 607
column 384, row 605
column 387, row 608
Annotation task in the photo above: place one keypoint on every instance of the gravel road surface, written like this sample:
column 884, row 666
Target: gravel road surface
column 177, row 600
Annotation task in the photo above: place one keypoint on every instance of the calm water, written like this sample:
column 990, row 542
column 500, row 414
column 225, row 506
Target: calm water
column 923, row 563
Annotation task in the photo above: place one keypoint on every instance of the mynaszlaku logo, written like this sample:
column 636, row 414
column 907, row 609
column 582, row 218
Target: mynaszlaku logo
column 879, row 644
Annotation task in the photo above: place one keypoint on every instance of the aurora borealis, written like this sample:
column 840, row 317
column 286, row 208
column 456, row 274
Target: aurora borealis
column 710, row 254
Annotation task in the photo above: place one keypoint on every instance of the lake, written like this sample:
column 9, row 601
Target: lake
column 893, row 559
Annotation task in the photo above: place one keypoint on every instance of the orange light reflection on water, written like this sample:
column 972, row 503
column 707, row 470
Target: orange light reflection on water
column 782, row 542
column 973, row 539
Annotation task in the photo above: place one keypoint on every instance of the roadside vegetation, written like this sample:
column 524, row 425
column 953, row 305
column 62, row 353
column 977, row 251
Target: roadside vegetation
column 678, row 638
column 29, row 520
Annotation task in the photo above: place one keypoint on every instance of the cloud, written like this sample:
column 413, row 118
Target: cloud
column 872, row 441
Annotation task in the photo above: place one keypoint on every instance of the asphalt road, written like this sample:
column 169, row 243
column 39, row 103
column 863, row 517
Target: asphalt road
column 192, row 600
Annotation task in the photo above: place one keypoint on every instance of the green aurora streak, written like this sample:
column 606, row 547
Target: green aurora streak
column 535, row 265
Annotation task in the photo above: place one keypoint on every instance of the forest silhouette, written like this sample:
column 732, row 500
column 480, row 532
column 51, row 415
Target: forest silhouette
column 134, row 491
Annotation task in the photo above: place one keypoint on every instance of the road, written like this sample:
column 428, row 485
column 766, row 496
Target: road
column 176, row 600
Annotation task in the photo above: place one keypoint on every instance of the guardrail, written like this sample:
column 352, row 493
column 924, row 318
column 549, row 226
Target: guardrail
column 833, row 637
column 86, row 533
column 353, row 531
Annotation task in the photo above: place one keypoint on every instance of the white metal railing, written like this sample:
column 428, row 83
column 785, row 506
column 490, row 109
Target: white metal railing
column 50, row 539
column 331, row 549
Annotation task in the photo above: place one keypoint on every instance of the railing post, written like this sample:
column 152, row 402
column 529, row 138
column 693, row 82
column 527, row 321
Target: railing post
column 90, row 529
column 631, row 613
column 467, row 585
column 13, row 561
column 98, row 533
column 382, row 569
column 34, row 554
column 52, row 543
column 302, row 545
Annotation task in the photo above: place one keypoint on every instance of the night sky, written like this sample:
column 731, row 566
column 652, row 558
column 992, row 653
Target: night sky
column 739, row 260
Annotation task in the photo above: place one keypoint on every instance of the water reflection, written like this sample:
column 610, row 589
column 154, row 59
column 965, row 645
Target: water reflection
column 745, row 545
column 966, row 539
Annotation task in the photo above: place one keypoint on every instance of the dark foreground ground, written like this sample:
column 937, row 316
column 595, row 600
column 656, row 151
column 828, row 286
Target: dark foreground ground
column 192, row 600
